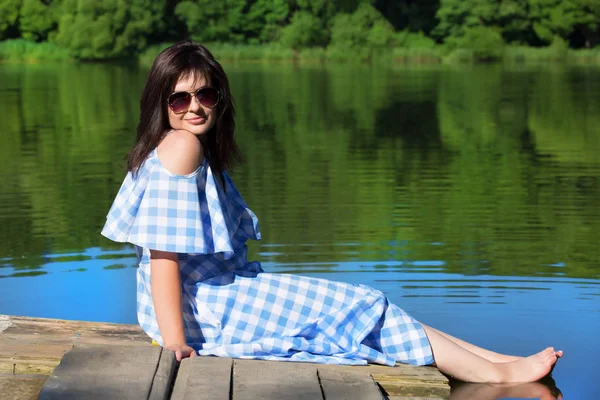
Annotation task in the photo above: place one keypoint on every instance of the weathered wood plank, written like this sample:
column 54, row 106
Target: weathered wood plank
column 7, row 367
column 403, row 379
column 181, row 378
column 101, row 372
column 164, row 376
column 348, row 385
column 36, row 345
column 398, row 386
column 205, row 377
column 77, row 329
column 256, row 379
column 22, row 387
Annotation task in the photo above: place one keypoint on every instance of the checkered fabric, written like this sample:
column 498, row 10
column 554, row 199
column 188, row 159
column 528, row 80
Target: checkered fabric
column 231, row 307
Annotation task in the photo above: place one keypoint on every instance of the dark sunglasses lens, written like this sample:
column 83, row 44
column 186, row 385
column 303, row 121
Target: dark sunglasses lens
column 208, row 97
column 179, row 101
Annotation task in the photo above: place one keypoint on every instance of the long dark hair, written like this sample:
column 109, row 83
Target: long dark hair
column 184, row 59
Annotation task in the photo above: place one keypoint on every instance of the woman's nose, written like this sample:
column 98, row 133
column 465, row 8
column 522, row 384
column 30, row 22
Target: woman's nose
column 195, row 104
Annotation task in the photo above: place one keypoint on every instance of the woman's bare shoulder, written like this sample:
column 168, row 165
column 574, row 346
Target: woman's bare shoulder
column 180, row 152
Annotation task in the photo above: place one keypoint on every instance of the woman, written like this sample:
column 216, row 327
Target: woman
column 198, row 293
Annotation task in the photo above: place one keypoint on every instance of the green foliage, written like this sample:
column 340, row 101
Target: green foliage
column 560, row 17
column 205, row 20
column 416, row 55
column 92, row 29
column 38, row 20
column 343, row 30
column 486, row 44
column 9, row 15
column 585, row 56
column 236, row 21
column 361, row 32
column 458, row 16
column 20, row 50
column 412, row 40
column 305, row 30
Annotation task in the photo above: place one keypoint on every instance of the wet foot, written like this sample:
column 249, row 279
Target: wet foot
column 530, row 369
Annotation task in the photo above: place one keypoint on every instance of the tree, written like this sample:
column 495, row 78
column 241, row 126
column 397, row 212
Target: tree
column 485, row 42
column 108, row 29
column 561, row 17
column 9, row 15
column 416, row 16
column 363, row 28
column 38, row 20
column 256, row 21
column 305, row 30
column 207, row 21
column 456, row 16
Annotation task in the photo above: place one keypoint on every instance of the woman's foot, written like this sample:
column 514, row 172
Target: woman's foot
column 529, row 369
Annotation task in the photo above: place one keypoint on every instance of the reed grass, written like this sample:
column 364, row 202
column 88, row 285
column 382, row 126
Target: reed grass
column 417, row 55
column 20, row 50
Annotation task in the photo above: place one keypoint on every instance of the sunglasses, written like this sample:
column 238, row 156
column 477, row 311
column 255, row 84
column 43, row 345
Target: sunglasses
column 180, row 101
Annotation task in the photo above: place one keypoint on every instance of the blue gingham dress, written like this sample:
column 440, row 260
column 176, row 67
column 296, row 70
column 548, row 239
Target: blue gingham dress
column 231, row 307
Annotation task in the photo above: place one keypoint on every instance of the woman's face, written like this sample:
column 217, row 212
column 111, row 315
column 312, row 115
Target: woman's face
column 197, row 118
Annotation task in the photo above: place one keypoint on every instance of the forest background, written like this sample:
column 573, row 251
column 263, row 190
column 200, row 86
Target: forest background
column 306, row 30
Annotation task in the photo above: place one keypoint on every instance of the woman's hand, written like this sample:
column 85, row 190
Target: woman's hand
column 182, row 351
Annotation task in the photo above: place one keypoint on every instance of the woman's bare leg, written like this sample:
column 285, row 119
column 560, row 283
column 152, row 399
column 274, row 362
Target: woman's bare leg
column 483, row 353
column 460, row 363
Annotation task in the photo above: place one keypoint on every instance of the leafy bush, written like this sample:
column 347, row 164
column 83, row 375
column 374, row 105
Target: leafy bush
column 21, row 50
column 9, row 15
column 92, row 29
column 485, row 43
column 413, row 40
column 305, row 30
column 559, row 48
column 38, row 20
column 366, row 27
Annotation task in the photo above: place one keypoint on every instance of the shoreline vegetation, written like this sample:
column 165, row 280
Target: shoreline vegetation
column 24, row 51
column 335, row 31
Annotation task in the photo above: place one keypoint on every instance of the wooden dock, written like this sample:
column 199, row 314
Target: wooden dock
column 102, row 360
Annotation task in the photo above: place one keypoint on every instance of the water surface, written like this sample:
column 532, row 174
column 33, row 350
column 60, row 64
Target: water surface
column 468, row 195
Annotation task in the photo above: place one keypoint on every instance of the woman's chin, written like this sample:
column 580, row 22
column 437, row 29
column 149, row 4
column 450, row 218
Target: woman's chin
column 197, row 130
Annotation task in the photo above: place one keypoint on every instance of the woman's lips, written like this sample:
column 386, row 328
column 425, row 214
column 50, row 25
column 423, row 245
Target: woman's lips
column 196, row 121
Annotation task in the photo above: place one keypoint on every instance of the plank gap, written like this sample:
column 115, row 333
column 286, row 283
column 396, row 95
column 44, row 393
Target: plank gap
column 321, row 384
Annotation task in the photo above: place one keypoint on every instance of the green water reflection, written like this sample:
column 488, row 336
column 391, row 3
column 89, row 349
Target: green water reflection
column 480, row 170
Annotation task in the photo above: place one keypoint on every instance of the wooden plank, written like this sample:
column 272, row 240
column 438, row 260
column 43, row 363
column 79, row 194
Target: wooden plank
column 257, row 379
column 426, row 372
column 403, row 379
column 205, row 375
column 164, row 376
column 103, row 372
column 7, row 367
column 36, row 345
column 181, row 380
column 348, row 385
column 77, row 329
column 20, row 387
column 411, row 388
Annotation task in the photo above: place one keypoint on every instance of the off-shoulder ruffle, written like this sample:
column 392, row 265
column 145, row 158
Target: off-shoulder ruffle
column 190, row 213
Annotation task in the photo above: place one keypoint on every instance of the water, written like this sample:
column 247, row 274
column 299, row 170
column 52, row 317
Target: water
column 468, row 195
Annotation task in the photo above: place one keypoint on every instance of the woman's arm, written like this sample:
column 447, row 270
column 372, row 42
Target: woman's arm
column 166, row 297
